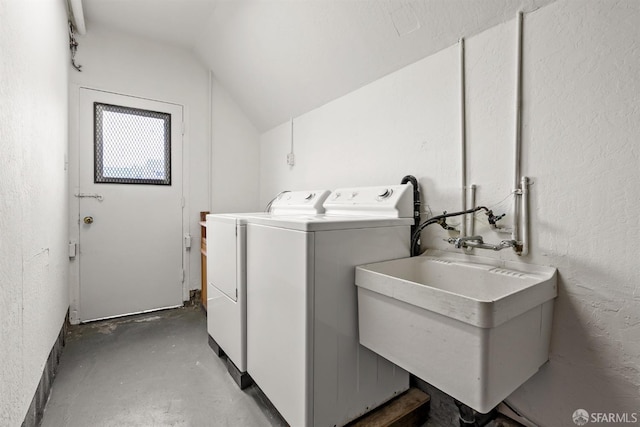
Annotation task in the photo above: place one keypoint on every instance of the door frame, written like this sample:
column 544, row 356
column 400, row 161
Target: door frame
column 72, row 166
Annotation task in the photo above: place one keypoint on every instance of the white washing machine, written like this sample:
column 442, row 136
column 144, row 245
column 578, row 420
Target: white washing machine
column 302, row 322
column 226, row 275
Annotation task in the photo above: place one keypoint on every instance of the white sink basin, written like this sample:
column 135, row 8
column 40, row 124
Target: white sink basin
column 475, row 327
column 475, row 290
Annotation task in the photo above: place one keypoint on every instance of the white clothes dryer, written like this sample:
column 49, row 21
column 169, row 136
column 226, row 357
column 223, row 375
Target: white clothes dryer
column 227, row 271
column 302, row 321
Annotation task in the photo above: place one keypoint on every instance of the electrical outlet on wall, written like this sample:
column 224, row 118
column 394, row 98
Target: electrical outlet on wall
column 291, row 159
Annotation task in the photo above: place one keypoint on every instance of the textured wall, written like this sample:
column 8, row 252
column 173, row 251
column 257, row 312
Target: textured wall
column 33, row 195
column 134, row 66
column 581, row 121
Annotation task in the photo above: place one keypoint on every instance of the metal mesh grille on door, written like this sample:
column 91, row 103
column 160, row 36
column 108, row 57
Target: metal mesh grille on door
column 131, row 146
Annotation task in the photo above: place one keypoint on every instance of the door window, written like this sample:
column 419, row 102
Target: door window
column 131, row 145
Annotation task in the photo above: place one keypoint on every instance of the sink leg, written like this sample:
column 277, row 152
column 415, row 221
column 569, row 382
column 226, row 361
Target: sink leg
column 470, row 418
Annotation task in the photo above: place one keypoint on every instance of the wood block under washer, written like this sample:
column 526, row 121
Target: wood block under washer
column 410, row 409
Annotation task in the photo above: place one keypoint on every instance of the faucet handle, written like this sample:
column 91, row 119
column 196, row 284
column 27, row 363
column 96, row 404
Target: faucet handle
column 455, row 241
column 507, row 244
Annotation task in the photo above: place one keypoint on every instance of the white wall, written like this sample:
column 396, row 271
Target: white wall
column 581, row 122
column 235, row 156
column 402, row 124
column 33, row 195
column 133, row 66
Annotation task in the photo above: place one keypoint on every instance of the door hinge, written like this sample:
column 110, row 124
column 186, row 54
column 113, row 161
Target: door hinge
column 187, row 241
column 181, row 275
column 182, row 202
column 183, row 128
column 73, row 249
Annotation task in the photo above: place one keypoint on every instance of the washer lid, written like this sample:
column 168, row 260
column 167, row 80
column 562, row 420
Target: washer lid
column 304, row 202
column 237, row 218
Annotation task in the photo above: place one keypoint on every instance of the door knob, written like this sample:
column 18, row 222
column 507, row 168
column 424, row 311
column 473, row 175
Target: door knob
column 88, row 220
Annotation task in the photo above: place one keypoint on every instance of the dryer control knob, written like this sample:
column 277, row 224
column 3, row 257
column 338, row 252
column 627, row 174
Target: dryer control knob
column 309, row 196
column 385, row 193
column 335, row 196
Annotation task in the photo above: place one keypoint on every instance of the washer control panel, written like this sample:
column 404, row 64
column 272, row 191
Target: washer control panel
column 393, row 200
column 306, row 201
column 384, row 193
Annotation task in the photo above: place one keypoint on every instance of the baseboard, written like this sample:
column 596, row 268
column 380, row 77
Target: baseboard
column 33, row 418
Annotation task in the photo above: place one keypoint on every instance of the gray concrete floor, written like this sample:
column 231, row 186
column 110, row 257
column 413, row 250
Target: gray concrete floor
column 154, row 369
column 157, row 370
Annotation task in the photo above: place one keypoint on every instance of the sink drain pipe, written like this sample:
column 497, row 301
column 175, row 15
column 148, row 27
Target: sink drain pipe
column 416, row 201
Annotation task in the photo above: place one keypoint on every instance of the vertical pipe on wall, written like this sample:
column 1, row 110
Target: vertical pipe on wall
column 210, row 147
column 518, row 136
column 518, row 100
column 524, row 222
column 291, row 133
column 463, row 139
column 472, row 223
column 290, row 156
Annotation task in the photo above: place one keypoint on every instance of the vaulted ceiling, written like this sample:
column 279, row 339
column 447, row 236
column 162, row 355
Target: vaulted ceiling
column 282, row 58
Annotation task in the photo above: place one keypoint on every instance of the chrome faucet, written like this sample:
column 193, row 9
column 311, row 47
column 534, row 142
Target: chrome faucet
column 462, row 242
column 478, row 242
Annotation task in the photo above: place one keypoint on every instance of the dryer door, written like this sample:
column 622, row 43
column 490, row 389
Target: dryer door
column 222, row 256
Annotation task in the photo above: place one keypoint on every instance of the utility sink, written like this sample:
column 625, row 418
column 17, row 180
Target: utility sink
column 477, row 328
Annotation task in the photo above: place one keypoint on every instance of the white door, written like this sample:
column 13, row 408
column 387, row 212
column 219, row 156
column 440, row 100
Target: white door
column 130, row 191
